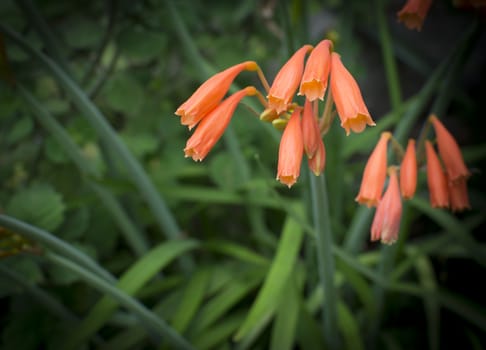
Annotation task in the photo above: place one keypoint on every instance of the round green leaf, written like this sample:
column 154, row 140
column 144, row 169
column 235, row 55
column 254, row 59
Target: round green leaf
column 39, row 205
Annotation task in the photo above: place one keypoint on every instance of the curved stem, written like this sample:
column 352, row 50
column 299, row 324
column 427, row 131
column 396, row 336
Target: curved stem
column 55, row 244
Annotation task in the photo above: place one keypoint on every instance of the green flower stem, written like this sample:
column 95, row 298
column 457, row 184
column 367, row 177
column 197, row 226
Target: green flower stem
column 51, row 304
column 325, row 259
column 134, row 237
column 52, row 44
column 149, row 319
column 359, row 227
column 161, row 212
column 55, row 244
column 388, row 57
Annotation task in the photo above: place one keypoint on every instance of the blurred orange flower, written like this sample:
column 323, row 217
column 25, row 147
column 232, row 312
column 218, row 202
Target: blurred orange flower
column 210, row 94
column 436, row 179
column 386, row 222
column 347, row 97
column 374, row 174
column 213, row 125
column 413, row 13
column 316, row 73
column 408, row 171
column 287, row 80
column 290, row 151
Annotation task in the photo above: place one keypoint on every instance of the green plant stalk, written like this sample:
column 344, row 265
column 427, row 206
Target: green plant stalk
column 51, row 304
column 147, row 317
column 161, row 212
column 388, row 57
column 325, row 258
column 133, row 236
column 52, row 44
column 55, row 244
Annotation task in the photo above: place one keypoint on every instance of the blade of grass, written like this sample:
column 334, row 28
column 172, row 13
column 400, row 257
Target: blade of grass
column 282, row 265
column 150, row 320
column 52, row 242
column 130, row 282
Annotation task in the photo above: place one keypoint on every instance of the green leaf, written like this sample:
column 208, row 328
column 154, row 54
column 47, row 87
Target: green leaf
column 21, row 129
column 218, row 333
column 191, row 300
column 54, row 151
column 224, row 172
column 282, row 266
column 124, row 94
column 237, row 251
column 130, row 282
column 349, row 328
column 284, row 327
column 141, row 45
column 39, row 205
column 141, row 144
column 82, row 32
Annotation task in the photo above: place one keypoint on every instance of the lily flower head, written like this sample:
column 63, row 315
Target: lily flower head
column 290, row 151
column 413, row 13
column 449, row 152
column 374, row 174
column 436, row 179
column 347, row 97
column 210, row 94
column 213, row 125
column 287, row 81
column 408, row 171
column 314, row 80
column 386, row 223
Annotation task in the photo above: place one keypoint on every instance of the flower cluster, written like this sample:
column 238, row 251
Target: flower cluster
column 447, row 184
column 303, row 127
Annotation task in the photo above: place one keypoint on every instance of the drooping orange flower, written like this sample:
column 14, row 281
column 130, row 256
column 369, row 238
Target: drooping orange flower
column 436, row 179
column 310, row 130
column 347, row 97
column 458, row 196
column 318, row 161
column 374, row 174
column 213, row 125
column 386, row 222
column 290, row 151
column 210, row 94
column 287, row 80
column 449, row 152
column 408, row 171
column 413, row 13
column 314, row 80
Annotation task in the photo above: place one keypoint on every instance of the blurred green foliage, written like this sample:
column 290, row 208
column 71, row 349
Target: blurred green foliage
column 254, row 281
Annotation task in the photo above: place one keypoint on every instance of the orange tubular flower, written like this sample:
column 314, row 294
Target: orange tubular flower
column 310, row 130
column 210, row 94
column 290, row 151
column 347, row 97
column 408, row 171
column 287, row 80
column 374, row 175
column 386, row 223
column 213, row 125
column 413, row 13
column 436, row 179
column 318, row 161
column 316, row 73
column 449, row 152
column 458, row 195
